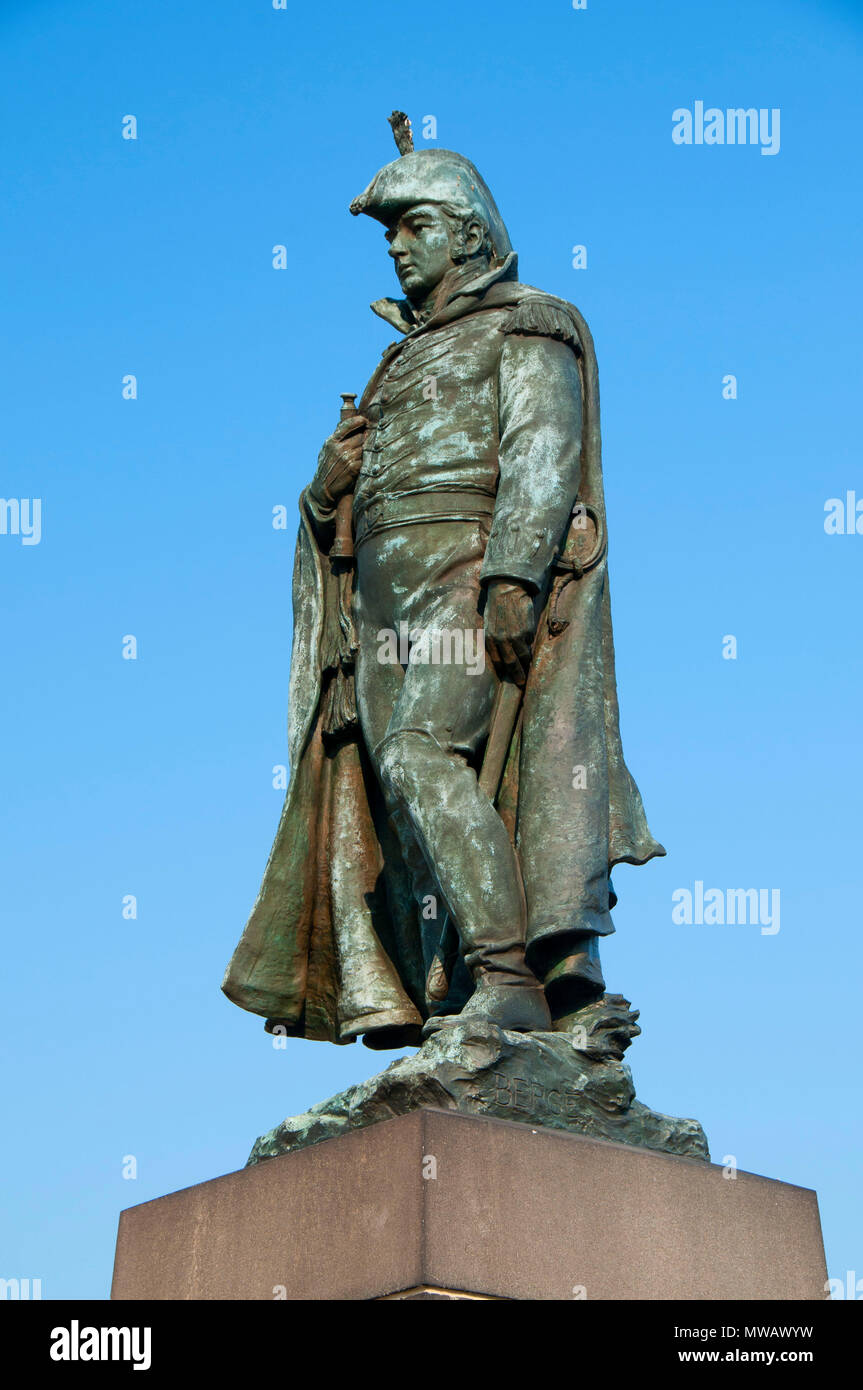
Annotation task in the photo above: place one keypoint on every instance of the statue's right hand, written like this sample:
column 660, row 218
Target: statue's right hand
column 339, row 462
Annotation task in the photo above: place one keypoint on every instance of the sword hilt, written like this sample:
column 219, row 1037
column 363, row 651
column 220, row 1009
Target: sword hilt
column 342, row 547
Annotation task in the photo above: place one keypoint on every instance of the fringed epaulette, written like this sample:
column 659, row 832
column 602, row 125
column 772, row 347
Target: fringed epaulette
column 537, row 316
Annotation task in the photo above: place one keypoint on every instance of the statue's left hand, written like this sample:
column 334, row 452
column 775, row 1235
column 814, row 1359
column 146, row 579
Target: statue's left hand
column 510, row 624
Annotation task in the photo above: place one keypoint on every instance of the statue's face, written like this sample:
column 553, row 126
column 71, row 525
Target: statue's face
column 421, row 244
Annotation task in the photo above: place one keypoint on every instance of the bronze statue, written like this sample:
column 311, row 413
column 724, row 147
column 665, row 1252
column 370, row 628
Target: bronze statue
column 458, row 793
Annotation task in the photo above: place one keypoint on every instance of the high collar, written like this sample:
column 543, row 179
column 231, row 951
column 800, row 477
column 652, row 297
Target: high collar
column 460, row 285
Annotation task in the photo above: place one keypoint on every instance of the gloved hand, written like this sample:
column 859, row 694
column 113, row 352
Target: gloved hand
column 510, row 625
column 339, row 462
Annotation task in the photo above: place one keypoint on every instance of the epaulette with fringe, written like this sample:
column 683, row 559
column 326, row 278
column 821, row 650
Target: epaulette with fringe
column 545, row 318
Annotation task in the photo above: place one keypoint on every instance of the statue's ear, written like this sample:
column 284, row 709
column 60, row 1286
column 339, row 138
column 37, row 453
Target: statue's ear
column 473, row 236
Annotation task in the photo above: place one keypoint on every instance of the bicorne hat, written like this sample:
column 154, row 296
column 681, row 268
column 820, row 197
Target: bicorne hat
column 432, row 176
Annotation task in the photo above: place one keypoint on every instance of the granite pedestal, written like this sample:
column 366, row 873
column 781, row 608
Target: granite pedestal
column 437, row 1204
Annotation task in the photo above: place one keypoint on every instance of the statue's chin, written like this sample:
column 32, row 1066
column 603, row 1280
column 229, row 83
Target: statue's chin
column 413, row 288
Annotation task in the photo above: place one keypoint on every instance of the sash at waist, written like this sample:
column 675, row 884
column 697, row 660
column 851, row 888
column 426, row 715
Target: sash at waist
column 411, row 508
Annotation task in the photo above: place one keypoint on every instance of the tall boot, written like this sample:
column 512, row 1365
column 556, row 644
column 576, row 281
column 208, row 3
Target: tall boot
column 467, row 847
column 506, row 991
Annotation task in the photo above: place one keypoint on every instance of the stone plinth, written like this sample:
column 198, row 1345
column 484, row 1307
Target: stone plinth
column 541, row 1079
column 437, row 1204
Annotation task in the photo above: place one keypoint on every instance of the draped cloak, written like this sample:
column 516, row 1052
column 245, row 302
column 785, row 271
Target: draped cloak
column 332, row 947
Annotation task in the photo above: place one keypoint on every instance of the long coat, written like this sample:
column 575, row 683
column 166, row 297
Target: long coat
column 331, row 949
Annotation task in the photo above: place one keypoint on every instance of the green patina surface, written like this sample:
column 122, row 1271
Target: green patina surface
column 458, row 793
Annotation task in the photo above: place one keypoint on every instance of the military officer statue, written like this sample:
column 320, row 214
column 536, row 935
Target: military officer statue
column 458, row 793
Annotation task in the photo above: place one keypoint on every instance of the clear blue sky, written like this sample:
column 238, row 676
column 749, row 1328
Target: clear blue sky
column 153, row 777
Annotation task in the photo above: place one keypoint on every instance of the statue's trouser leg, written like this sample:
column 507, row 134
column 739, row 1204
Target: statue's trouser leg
column 430, row 909
column 424, row 722
column 466, row 842
column 467, row 846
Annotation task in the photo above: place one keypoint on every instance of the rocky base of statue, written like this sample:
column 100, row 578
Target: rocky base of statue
column 573, row 1081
